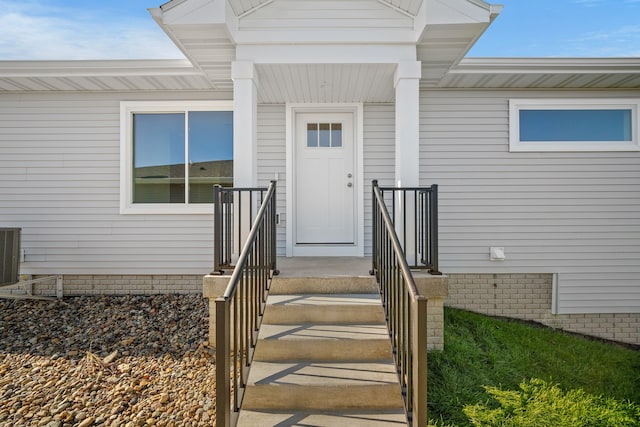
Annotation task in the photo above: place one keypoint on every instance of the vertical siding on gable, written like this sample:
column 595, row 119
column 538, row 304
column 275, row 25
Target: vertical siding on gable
column 59, row 182
column 572, row 213
column 379, row 156
column 272, row 160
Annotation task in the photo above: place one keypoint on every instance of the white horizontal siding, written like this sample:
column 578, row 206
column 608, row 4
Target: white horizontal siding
column 272, row 161
column 379, row 156
column 59, row 182
column 576, row 214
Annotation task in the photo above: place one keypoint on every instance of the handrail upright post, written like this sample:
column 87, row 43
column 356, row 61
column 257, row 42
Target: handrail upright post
column 217, row 229
column 374, row 228
column 273, row 246
column 223, row 371
column 433, row 238
column 420, row 363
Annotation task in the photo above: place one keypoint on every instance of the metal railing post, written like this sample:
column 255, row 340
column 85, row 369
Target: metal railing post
column 217, row 230
column 272, row 223
column 223, row 365
column 420, row 362
column 433, row 231
column 374, row 228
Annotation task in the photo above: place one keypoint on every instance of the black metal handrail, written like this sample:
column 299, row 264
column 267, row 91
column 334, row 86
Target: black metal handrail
column 405, row 311
column 239, row 311
column 235, row 210
column 414, row 214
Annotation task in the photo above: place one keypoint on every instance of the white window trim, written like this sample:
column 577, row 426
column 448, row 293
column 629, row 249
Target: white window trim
column 515, row 105
column 127, row 109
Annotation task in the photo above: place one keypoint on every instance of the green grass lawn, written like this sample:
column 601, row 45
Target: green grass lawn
column 482, row 352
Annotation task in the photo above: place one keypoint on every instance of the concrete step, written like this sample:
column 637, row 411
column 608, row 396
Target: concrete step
column 326, row 342
column 321, row 386
column 324, row 309
column 329, row 419
column 323, row 356
column 291, row 285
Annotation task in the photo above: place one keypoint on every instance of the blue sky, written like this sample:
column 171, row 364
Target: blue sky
column 123, row 29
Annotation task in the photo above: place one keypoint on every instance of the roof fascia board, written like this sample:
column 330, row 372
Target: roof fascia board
column 458, row 12
column 146, row 67
column 157, row 15
column 326, row 53
column 547, row 65
column 420, row 20
column 396, row 8
column 232, row 21
column 255, row 8
column 195, row 12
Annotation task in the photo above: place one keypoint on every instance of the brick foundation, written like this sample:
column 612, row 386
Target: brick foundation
column 528, row 297
column 123, row 285
column 521, row 296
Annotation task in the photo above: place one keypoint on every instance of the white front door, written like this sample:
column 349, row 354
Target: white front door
column 325, row 190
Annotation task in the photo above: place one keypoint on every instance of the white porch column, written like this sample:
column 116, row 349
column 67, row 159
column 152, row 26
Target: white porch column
column 245, row 127
column 245, row 142
column 407, row 85
column 407, row 174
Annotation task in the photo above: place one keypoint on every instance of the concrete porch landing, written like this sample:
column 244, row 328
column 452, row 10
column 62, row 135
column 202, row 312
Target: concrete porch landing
column 324, row 266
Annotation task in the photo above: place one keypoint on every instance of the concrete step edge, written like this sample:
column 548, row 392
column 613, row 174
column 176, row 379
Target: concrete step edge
column 341, row 314
column 326, row 284
column 322, row 398
column 351, row 418
column 279, row 350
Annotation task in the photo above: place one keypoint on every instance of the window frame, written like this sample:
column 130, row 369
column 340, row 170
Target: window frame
column 127, row 110
column 516, row 105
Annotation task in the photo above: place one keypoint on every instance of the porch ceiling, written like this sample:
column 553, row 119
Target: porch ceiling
column 280, row 83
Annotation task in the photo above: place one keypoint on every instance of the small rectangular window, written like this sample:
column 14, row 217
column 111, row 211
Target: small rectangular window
column 573, row 125
column 324, row 135
column 173, row 153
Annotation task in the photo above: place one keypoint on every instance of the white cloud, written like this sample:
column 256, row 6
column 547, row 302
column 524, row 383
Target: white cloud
column 622, row 41
column 31, row 30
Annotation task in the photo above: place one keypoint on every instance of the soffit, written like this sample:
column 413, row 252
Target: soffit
column 542, row 73
column 77, row 76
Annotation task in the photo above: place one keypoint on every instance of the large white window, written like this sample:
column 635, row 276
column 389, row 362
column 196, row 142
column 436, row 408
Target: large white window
column 173, row 153
column 574, row 125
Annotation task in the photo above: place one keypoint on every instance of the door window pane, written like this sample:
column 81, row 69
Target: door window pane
column 336, row 134
column 325, row 135
column 312, row 134
column 158, row 158
column 210, row 153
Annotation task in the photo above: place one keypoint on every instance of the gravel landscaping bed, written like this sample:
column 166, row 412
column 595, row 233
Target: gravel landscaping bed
column 106, row 360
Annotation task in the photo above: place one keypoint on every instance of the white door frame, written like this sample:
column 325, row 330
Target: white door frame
column 357, row 249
